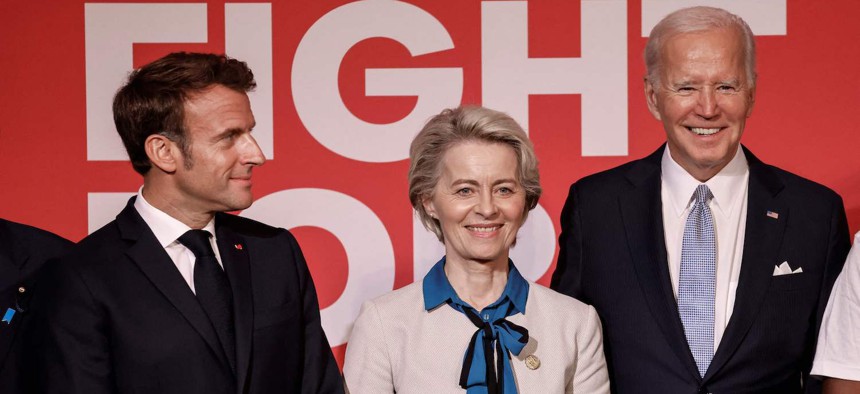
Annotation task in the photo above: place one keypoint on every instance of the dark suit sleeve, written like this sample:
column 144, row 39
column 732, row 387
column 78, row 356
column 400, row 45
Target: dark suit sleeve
column 567, row 279
column 839, row 244
column 72, row 344
column 320, row 373
column 837, row 252
column 28, row 249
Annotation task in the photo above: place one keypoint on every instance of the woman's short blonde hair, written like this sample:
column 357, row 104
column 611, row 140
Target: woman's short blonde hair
column 462, row 124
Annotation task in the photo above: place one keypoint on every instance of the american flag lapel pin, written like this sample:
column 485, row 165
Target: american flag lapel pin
column 772, row 215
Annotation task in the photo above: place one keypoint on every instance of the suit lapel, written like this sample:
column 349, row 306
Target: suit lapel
column 148, row 254
column 641, row 212
column 234, row 256
column 762, row 243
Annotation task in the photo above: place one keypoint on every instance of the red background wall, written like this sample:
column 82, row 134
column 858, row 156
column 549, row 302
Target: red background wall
column 803, row 121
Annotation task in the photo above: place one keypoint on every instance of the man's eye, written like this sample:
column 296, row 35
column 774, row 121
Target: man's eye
column 727, row 88
column 228, row 137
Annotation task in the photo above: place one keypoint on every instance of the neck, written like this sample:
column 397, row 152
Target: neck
column 703, row 174
column 700, row 173
column 477, row 283
column 161, row 198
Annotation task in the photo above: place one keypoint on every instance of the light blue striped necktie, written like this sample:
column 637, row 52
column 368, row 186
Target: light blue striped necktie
column 697, row 280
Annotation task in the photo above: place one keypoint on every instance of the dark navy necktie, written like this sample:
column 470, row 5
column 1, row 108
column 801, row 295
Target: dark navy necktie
column 213, row 289
column 697, row 279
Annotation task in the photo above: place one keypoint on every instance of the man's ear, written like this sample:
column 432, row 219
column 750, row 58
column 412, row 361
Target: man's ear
column 162, row 152
column 651, row 98
column 751, row 99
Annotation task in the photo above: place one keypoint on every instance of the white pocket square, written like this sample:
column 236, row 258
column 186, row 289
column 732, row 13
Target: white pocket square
column 785, row 269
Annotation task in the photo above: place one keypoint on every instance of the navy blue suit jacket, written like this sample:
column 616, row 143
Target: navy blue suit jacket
column 116, row 316
column 613, row 256
column 23, row 252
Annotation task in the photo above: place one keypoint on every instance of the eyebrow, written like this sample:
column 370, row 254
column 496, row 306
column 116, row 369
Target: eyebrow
column 475, row 183
column 234, row 130
column 230, row 131
column 466, row 181
column 734, row 82
column 500, row 181
column 687, row 82
column 682, row 83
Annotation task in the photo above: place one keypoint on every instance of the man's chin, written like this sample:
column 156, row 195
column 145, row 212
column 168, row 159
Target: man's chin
column 239, row 205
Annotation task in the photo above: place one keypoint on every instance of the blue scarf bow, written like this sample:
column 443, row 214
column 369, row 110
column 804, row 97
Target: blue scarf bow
column 480, row 378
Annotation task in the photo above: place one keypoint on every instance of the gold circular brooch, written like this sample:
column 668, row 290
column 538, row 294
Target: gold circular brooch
column 532, row 362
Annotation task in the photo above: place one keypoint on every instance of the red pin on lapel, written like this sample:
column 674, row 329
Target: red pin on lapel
column 238, row 246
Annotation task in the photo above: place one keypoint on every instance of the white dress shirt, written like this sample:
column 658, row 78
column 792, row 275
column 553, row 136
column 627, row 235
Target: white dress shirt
column 838, row 352
column 729, row 210
column 167, row 230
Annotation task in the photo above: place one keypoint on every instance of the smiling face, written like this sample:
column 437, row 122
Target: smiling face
column 703, row 98
column 215, row 176
column 478, row 201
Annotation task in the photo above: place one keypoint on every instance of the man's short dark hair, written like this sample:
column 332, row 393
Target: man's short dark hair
column 152, row 101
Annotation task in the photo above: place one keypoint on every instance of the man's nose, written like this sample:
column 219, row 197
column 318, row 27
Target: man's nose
column 707, row 106
column 251, row 152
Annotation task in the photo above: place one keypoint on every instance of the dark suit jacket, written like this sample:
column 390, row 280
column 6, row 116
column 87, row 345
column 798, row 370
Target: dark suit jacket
column 119, row 317
column 613, row 256
column 23, row 252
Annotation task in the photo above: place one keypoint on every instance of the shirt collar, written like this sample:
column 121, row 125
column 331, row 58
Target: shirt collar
column 438, row 290
column 727, row 185
column 165, row 227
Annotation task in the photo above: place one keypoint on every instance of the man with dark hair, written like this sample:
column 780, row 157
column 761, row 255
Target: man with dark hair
column 23, row 252
column 709, row 269
column 175, row 296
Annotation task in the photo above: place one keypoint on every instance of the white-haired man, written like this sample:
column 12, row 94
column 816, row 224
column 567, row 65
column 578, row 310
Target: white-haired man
column 709, row 269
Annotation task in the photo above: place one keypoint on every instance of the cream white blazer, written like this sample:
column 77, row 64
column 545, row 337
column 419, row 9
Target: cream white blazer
column 398, row 347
